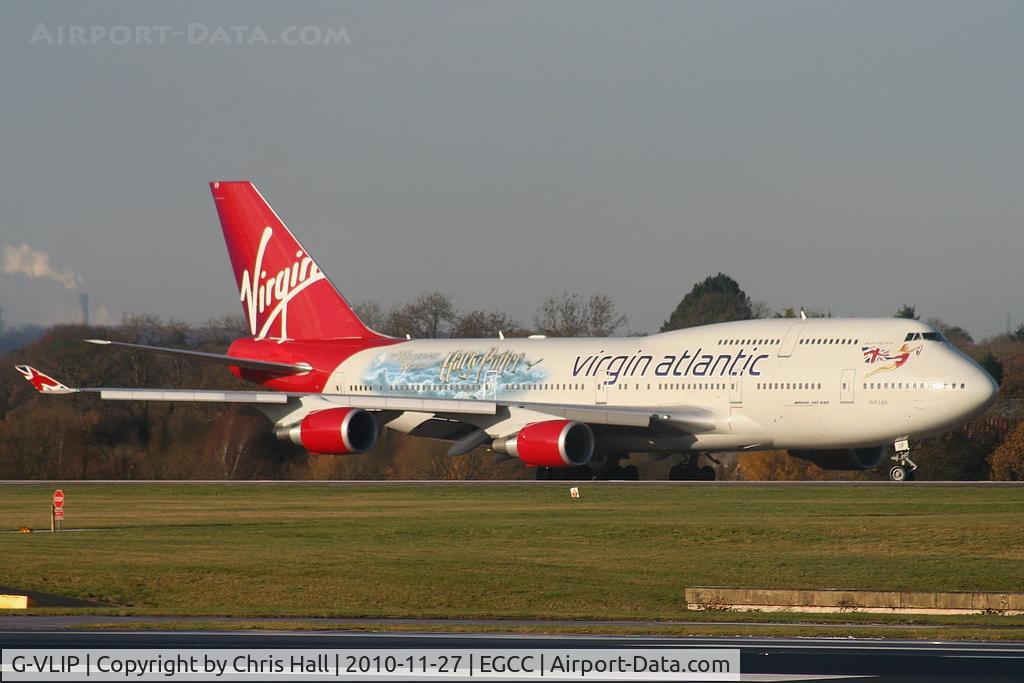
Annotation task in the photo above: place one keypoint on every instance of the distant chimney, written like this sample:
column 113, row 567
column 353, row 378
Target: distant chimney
column 83, row 303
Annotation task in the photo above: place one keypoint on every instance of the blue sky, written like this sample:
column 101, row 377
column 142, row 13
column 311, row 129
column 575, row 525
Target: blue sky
column 849, row 156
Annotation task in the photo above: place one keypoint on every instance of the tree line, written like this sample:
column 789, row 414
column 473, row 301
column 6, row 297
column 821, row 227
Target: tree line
column 81, row 437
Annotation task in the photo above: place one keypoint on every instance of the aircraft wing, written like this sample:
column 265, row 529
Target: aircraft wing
column 248, row 363
column 45, row 384
column 691, row 419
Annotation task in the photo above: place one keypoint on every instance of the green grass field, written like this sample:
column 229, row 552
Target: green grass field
column 508, row 550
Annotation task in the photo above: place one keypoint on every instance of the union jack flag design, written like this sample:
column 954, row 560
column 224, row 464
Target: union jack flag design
column 873, row 354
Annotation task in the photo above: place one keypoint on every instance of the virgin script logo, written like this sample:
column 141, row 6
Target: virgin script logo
column 265, row 296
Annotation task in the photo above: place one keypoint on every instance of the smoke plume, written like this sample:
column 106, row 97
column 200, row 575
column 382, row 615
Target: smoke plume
column 36, row 264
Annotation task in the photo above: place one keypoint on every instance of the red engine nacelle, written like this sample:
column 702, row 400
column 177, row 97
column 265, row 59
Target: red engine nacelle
column 335, row 431
column 555, row 443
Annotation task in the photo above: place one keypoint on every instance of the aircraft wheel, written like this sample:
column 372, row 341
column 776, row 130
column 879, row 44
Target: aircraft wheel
column 609, row 473
column 682, row 472
column 578, row 472
column 543, row 473
column 706, row 473
column 631, row 473
column 898, row 473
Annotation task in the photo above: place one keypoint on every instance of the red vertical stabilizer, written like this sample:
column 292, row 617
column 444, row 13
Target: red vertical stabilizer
column 284, row 293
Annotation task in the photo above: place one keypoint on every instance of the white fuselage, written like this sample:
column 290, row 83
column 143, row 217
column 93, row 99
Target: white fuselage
column 778, row 383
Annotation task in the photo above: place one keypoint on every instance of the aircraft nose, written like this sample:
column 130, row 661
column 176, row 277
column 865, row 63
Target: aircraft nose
column 982, row 390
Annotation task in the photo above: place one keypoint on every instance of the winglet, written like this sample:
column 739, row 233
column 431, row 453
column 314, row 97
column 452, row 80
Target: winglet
column 44, row 384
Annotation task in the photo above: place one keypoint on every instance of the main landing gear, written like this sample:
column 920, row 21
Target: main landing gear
column 609, row 469
column 902, row 467
column 687, row 470
column 581, row 472
column 605, row 466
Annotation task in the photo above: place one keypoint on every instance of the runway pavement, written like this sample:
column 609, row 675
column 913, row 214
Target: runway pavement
column 513, row 482
column 35, row 622
column 762, row 659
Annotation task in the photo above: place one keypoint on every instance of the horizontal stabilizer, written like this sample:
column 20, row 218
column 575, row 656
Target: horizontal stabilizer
column 44, row 384
column 247, row 363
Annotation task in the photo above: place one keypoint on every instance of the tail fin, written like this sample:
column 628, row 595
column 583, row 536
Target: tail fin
column 284, row 293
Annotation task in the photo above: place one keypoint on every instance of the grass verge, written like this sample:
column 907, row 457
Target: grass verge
column 507, row 551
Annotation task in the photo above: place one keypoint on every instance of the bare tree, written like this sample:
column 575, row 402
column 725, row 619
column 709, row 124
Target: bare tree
column 603, row 318
column 569, row 315
column 760, row 309
column 485, row 324
column 438, row 465
column 428, row 317
column 370, row 313
column 222, row 331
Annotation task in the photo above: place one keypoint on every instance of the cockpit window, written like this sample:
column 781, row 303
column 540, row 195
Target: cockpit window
column 929, row 336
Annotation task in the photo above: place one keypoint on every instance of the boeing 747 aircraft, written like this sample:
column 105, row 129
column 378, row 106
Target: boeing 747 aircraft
column 837, row 392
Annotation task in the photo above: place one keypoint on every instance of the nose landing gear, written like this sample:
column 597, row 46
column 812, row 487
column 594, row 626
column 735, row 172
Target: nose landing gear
column 902, row 467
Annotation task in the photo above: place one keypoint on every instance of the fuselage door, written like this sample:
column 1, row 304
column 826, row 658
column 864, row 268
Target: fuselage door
column 736, row 389
column 336, row 385
column 490, row 385
column 789, row 341
column 602, row 392
column 846, row 386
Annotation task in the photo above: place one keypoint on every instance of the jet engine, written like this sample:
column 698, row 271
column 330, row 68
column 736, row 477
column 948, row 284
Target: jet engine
column 554, row 443
column 843, row 458
column 335, row 431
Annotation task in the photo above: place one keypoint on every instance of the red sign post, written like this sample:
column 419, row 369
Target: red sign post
column 57, row 510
